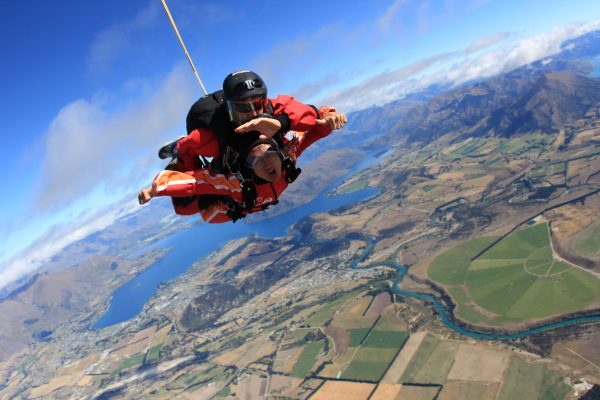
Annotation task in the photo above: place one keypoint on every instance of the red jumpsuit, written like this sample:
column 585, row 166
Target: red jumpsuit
column 203, row 142
column 206, row 181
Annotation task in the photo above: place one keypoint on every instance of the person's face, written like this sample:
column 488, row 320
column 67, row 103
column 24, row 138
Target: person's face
column 265, row 162
column 248, row 109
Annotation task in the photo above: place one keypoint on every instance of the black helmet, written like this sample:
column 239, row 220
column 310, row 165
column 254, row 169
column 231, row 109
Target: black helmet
column 242, row 85
column 245, row 94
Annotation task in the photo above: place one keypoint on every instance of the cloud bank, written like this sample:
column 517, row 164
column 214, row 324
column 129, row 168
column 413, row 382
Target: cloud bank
column 56, row 239
column 86, row 144
column 482, row 59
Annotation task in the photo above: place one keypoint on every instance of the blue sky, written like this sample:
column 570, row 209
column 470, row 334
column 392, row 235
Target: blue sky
column 91, row 89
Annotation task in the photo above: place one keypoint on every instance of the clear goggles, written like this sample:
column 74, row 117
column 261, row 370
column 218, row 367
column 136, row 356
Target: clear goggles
column 269, row 150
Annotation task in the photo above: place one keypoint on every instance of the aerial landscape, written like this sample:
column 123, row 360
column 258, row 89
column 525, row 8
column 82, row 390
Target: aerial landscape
column 452, row 253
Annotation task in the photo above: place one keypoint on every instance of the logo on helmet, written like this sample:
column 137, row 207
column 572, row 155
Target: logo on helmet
column 249, row 84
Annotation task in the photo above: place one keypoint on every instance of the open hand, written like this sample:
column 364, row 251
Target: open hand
column 264, row 125
column 335, row 120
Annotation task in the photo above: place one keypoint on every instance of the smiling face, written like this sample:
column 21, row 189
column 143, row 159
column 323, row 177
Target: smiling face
column 265, row 162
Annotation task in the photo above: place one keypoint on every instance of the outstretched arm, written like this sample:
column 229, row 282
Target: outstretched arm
column 334, row 120
column 329, row 120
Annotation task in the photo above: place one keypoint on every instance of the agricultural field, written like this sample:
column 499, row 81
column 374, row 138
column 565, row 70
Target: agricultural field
column 531, row 381
column 307, row 359
column 365, row 345
column 191, row 378
column 579, row 171
column 587, row 242
column 378, row 349
column 344, row 390
column 451, row 267
column 431, row 363
column 327, row 311
column 470, row 147
column 516, row 280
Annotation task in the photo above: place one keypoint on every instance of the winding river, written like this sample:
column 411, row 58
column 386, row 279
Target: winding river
column 446, row 315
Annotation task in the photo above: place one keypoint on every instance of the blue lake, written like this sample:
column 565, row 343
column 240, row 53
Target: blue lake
column 193, row 244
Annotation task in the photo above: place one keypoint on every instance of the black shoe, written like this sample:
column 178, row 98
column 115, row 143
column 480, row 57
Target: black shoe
column 169, row 150
column 172, row 165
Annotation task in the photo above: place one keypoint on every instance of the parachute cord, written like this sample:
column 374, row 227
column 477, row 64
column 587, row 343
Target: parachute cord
column 183, row 45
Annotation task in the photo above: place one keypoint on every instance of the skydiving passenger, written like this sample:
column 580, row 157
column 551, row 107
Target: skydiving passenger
column 251, row 168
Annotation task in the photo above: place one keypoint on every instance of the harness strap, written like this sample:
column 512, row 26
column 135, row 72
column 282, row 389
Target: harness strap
column 291, row 172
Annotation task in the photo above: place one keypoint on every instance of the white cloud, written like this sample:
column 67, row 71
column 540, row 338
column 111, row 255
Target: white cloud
column 110, row 44
column 384, row 22
column 487, row 41
column 56, row 239
column 455, row 68
column 88, row 146
column 298, row 56
column 509, row 57
column 381, row 88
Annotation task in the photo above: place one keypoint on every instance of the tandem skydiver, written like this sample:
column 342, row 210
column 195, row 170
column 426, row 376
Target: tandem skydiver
column 253, row 163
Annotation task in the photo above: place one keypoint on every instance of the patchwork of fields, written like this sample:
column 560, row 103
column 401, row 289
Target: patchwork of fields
column 516, row 280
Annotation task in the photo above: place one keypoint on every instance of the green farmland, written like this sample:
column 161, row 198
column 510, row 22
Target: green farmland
column 375, row 355
column 532, row 381
column 307, row 359
column 431, row 363
column 515, row 280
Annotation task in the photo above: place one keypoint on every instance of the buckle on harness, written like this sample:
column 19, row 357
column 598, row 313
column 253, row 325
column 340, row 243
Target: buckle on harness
column 291, row 172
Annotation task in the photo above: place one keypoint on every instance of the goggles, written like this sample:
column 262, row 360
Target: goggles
column 257, row 160
column 256, row 104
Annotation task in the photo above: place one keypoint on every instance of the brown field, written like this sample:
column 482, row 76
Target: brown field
column 335, row 226
column 356, row 307
column 138, row 343
column 161, row 335
column 284, row 386
column 582, row 354
column 394, row 373
column 570, row 220
column 248, row 353
column 417, row 393
column 379, row 304
column 585, row 136
column 250, row 387
column 86, row 380
column 286, row 359
column 205, row 392
column 478, row 363
column 580, row 170
column 55, row 383
column 386, row 391
column 457, row 390
column 390, row 320
column 351, row 315
column 78, row 366
column 344, row 390
column 340, row 363
column 339, row 336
